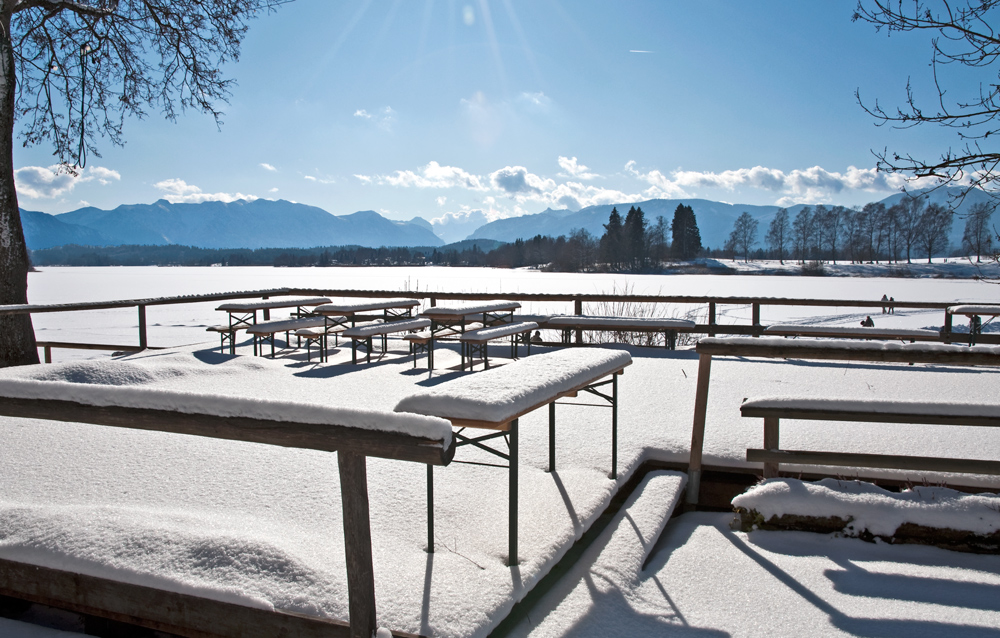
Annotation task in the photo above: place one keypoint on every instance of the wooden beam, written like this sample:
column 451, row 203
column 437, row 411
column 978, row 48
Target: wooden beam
column 698, row 428
column 865, row 351
column 872, row 416
column 358, row 544
column 884, row 461
column 310, row 436
column 180, row 614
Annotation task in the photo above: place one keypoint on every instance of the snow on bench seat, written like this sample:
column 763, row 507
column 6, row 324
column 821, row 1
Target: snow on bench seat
column 272, row 305
column 378, row 329
column 365, row 306
column 852, row 332
column 483, row 335
column 285, row 325
column 465, row 311
column 496, row 396
column 971, row 310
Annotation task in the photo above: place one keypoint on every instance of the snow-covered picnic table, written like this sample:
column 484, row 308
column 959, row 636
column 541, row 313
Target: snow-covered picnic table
column 975, row 313
column 494, row 400
column 245, row 313
column 342, row 314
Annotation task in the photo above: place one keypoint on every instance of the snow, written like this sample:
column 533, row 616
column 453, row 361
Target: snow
column 849, row 330
column 273, row 514
column 869, row 507
column 704, row 579
column 471, row 309
column 495, row 332
column 128, row 384
column 386, row 328
column 282, row 325
column 968, row 309
column 501, row 394
column 362, row 306
column 284, row 302
column 855, row 346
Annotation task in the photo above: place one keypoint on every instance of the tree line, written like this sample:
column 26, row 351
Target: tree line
column 910, row 229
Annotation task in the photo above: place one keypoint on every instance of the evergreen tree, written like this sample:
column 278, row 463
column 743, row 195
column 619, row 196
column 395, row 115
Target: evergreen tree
column 611, row 242
column 685, row 233
column 634, row 235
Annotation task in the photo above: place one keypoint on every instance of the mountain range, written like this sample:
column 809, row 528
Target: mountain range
column 282, row 224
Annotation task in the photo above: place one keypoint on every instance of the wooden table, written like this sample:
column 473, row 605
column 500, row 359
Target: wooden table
column 244, row 315
column 476, row 401
column 452, row 318
column 340, row 314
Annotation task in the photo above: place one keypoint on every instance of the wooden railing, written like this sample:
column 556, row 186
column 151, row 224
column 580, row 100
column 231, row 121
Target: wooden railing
column 575, row 305
column 190, row 615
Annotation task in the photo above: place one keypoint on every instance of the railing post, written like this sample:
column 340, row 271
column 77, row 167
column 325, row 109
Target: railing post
column 357, row 543
column 48, row 354
column 578, row 310
column 142, row 327
column 946, row 331
column 711, row 318
column 698, row 428
column 756, row 318
column 771, row 443
column 267, row 313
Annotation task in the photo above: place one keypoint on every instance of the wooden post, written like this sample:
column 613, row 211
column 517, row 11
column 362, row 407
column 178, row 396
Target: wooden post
column 267, row 312
column 48, row 354
column 756, row 319
column 770, row 444
column 711, row 318
column 698, row 428
column 430, row 508
column 578, row 310
column 552, row 437
column 142, row 327
column 434, row 302
column 358, row 544
column 946, row 331
column 512, row 499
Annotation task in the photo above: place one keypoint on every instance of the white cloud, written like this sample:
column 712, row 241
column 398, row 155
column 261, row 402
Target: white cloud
column 441, row 200
column 535, row 101
column 268, row 167
column 433, row 175
column 177, row 191
column 273, row 190
column 383, row 118
column 38, row 182
column 575, row 169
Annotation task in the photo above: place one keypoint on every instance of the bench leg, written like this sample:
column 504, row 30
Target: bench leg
column 512, row 496
column 430, row 509
column 430, row 354
column 771, row 443
column 614, row 428
column 552, row 437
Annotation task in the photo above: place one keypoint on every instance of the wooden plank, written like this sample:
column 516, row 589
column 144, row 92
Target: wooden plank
column 771, row 442
column 819, row 414
column 90, row 346
column 883, row 461
column 311, row 436
column 358, row 544
column 698, row 428
column 181, row 614
column 778, row 348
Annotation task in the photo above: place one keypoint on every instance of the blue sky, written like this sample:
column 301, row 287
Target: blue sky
column 441, row 107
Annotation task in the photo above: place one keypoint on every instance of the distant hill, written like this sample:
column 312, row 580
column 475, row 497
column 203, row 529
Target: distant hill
column 241, row 224
column 715, row 219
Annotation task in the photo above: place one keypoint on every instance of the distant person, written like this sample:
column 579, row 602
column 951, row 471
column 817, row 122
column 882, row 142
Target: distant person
column 885, row 300
column 892, row 302
column 537, row 337
column 868, row 323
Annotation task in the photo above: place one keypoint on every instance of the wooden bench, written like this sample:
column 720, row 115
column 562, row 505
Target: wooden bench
column 975, row 313
column 361, row 336
column 851, row 332
column 669, row 327
column 422, row 341
column 227, row 334
column 266, row 330
column 353, row 434
column 772, row 410
column 245, row 313
column 495, row 399
column 813, row 349
column 477, row 341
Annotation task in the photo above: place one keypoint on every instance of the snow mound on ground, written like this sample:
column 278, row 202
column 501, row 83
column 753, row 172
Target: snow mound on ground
column 869, row 507
column 180, row 552
column 125, row 373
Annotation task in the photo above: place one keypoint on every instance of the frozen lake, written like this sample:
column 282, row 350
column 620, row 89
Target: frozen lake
column 184, row 324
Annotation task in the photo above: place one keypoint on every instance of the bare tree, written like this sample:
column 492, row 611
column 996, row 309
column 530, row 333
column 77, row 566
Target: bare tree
column 978, row 235
column 778, row 234
column 72, row 70
column 908, row 215
column 964, row 36
column 935, row 224
column 873, row 228
column 744, row 235
column 802, row 232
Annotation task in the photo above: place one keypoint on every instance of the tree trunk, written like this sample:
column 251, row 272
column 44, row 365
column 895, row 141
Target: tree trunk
column 17, row 337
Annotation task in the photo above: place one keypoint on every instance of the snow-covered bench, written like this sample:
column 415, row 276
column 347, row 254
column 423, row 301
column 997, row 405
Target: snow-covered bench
column 851, row 332
column 478, row 341
column 266, row 330
column 669, row 327
column 813, row 349
column 227, row 334
column 496, row 398
column 361, row 336
column 772, row 410
column 353, row 433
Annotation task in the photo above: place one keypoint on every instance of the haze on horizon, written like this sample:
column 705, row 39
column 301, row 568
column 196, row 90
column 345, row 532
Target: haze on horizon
column 441, row 107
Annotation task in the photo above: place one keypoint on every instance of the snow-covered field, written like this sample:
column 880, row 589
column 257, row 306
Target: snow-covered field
column 261, row 525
